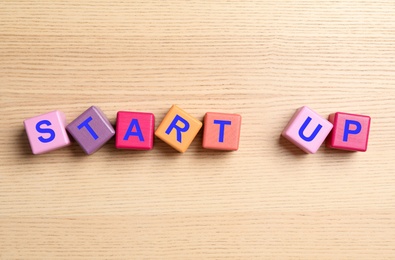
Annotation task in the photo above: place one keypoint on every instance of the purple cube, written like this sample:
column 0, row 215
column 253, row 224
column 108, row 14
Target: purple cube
column 91, row 129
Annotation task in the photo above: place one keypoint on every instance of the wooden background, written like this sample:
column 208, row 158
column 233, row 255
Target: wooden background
column 262, row 59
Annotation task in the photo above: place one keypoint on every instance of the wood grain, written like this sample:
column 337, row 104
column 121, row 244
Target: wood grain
column 261, row 59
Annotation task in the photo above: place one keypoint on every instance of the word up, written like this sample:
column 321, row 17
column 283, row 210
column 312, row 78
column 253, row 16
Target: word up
column 134, row 130
column 343, row 131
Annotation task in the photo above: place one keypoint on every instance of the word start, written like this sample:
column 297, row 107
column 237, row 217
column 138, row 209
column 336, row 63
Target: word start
column 135, row 130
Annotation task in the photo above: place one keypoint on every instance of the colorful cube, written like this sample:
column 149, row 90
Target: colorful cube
column 307, row 130
column 47, row 132
column 134, row 130
column 178, row 129
column 350, row 132
column 91, row 129
column 221, row 131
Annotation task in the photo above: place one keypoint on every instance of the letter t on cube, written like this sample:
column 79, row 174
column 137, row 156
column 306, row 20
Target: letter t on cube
column 307, row 130
column 91, row 129
column 221, row 131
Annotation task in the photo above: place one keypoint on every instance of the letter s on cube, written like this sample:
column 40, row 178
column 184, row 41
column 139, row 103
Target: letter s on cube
column 178, row 129
column 350, row 132
column 307, row 130
column 47, row 132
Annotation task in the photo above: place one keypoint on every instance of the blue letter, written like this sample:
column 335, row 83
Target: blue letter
column 313, row 135
column 45, row 131
column 178, row 129
column 88, row 127
column 347, row 130
column 222, row 124
column 138, row 132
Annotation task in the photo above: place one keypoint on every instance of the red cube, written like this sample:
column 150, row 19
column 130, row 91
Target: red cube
column 221, row 131
column 134, row 130
column 350, row 132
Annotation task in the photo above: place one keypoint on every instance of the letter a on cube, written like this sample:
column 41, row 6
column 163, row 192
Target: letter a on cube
column 350, row 132
column 221, row 131
column 178, row 129
column 307, row 130
column 47, row 132
column 91, row 129
column 135, row 130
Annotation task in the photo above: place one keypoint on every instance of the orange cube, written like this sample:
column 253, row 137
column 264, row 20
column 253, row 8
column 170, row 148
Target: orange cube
column 221, row 131
column 178, row 129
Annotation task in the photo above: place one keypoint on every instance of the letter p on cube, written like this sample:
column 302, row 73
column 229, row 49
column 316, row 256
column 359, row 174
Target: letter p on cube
column 350, row 132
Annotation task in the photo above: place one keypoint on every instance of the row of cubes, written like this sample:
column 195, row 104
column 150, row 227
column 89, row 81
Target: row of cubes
column 133, row 130
column 344, row 131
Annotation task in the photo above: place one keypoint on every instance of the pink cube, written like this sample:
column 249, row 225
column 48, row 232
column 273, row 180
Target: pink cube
column 350, row 132
column 47, row 132
column 307, row 130
column 221, row 131
column 134, row 130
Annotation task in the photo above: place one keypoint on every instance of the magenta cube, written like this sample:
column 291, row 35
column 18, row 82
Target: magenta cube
column 91, row 129
column 47, row 132
column 135, row 130
column 350, row 132
column 307, row 130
